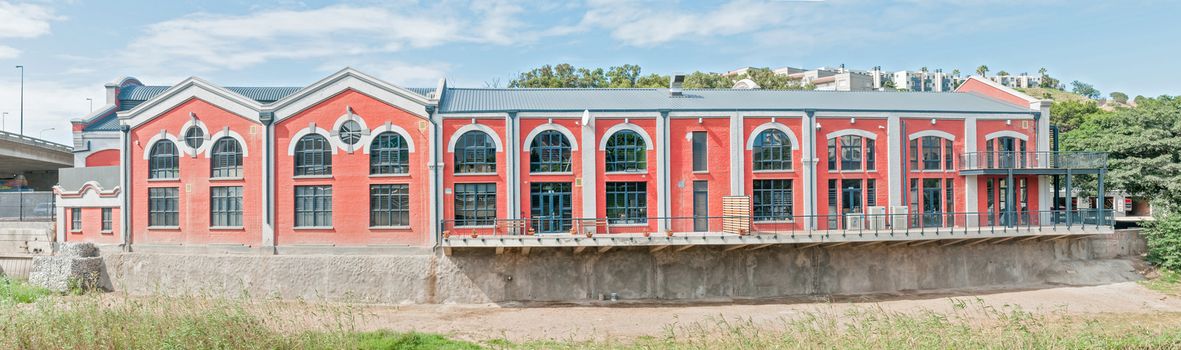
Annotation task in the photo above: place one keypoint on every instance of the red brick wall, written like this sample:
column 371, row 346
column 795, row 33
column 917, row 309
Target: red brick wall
column 104, row 157
column 717, row 174
column 92, row 227
column 649, row 176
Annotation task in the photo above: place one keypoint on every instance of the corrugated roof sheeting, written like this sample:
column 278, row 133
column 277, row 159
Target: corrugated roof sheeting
column 132, row 96
column 461, row 100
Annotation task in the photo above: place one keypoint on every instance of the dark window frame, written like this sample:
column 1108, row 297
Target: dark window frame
column 226, row 158
column 475, row 154
column 107, row 224
column 549, row 152
column 773, row 200
column 700, row 154
column 389, row 205
column 389, row 153
column 225, row 206
column 313, row 156
column 626, row 152
column 772, row 151
column 350, row 132
column 627, row 202
column 163, row 207
column 475, row 205
column 313, row 206
column 164, row 161
column 194, row 137
column 75, row 219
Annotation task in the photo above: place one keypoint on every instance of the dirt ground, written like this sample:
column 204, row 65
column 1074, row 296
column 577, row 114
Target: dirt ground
column 622, row 321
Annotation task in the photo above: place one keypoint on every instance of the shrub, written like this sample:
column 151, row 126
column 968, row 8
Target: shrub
column 1164, row 241
column 13, row 291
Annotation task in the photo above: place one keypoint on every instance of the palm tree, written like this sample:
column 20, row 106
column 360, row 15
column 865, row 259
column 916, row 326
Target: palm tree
column 955, row 72
column 982, row 70
column 1042, row 71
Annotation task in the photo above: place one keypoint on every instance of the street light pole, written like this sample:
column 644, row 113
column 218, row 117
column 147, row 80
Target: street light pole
column 42, row 134
column 3, row 118
column 22, row 68
column 91, row 100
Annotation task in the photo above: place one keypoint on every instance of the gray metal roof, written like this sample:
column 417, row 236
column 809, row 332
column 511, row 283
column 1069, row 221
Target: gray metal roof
column 133, row 95
column 469, row 100
column 106, row 122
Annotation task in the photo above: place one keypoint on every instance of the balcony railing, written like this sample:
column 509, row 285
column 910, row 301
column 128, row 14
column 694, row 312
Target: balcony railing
column 835, row 225
column 1032, row 160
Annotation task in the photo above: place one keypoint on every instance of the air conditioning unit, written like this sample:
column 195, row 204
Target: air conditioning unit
column 876, row 217
column 854, row 222
column 898, row 217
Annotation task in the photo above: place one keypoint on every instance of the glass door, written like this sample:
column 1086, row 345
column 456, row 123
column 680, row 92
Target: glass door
column 700, row 206
column 550, row 207
column 932, row 203
column 850, row 200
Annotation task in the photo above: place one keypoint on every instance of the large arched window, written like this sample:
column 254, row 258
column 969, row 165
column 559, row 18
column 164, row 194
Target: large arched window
column 475, row 153
column 389, row 154
column 163, row 161
column 549, row 153
column 313, row 156
column 930, row 153
column 772, row 151
column 626, row 152
column 850, row 152
column 227, row 158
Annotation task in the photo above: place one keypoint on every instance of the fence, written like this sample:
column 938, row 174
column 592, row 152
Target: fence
column 1032, row 160
column 839, row 224
column 27, row 206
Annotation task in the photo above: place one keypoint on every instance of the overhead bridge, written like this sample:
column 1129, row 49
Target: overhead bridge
column 36, row 159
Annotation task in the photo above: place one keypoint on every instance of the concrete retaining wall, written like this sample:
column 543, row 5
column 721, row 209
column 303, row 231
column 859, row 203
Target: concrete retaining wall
column 481, row 276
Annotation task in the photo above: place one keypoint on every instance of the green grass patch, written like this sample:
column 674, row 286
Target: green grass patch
column 1167, row 281
column 20, row 292
column 382, row 340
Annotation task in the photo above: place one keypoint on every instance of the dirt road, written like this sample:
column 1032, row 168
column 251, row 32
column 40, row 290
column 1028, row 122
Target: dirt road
column 623, row 321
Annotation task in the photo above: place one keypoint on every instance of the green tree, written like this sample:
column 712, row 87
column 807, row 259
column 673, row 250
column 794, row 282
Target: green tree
column 630, row 76
column 1068, row 114
column 1084, row 89
column 982, row 70
column 1143, row 146
column 1119, row 97
column 1002, row 73
column 955, row 72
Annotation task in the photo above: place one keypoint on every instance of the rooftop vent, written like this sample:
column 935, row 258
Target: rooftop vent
column 675, row 86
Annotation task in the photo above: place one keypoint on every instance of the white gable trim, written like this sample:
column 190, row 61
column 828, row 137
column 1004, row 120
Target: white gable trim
column 184, row 145
column 90, row 195
column 550, row 126
column 937, row 133
column 474, row 127
column 754, row 134
column 1008, row 133
column 389, row 127
column 186, row 90
column 310, row 129
column 625, row 126
column 345, row 79
column 855, row 132
column 226, row 132
column 161, row 136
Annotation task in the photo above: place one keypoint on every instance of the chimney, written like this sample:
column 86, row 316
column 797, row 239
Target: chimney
column 112, row 93
column 675, row 85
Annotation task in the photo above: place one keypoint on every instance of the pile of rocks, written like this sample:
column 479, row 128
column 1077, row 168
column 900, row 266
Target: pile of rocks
column 76, row 265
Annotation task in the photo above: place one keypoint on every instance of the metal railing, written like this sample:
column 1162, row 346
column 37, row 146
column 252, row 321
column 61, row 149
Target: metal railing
column 27, row 206
column 920, row 223
column 1032, row 160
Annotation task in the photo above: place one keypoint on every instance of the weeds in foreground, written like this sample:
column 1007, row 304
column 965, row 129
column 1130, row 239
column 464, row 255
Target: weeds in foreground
column 1167, row 281
column 20, row 292
column 98, row 321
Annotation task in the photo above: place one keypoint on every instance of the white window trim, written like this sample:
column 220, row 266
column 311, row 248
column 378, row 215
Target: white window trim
column 225, row 132
column 754, row 134
column 163, row 135
column 528, row 145
column 335, row 132
column 388, row 127
column 625, row 126
column 311, row 129
column 936, row 133
column 854, row 132
column 1004, row 133
column 183, row 146
column 474, row 127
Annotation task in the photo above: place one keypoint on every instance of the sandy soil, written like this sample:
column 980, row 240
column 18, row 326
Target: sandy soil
column 621, row 321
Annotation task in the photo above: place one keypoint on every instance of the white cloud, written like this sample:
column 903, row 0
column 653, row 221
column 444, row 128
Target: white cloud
column 48, row 104
column 23, row 21
column 647, row 24
column 8, row 52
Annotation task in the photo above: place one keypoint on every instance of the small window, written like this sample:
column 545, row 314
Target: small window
column 163, row 161
column 76, row 219
column 350, row 132
column 163, row 207
column 913, row 155
column 475, row 205
column 947, row 156
column 832, row 154
column 700, row 153
column 389, row 205
column 475, row 153
column 627, row 202
column 549, row 153
column 107, row 220
column 389, row 154
column 772, row 200
column 227, row 159
column 194, row 137
column 313, row 206
column 771, row 151
column 871, row 193
column 851, row 152
column 932, row 152
column 313, row 156
column 225, row 206
column 870, row 155
column 626, row 152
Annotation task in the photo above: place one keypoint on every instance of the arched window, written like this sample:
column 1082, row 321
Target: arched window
column 772, row 151
column 227, row 158
column 627, row 152
column 475, row 153
column 350, row 132
column 163, row 161
column 549, row 153
column 850, row 151
column 389, row 154
column 313, row 156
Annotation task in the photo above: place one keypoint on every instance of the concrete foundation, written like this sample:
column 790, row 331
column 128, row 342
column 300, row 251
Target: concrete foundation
column 699, row 273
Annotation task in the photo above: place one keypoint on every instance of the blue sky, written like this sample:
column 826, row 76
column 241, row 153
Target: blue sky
column 71, row 48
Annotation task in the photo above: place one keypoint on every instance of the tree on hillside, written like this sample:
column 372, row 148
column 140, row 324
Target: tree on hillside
column 982, row 70
column 1143, row 145
column 630, row 76
column 1119, row 97
column 1047, row 82
column 1068, row 114
column 1084, row 89
column 1002, row 73
column 955, row 72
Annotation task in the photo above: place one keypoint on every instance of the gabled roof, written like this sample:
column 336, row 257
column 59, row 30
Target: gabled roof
column 469, row 100
column 132, row 96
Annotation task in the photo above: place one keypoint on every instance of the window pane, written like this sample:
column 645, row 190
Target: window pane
column 163, row 206
column 699, row 151
column 313, row 206
column 627, row 202
column 313, row 156
column 225, row 206
column 932, row 152
column 389, row 205
column 475, row 205
column 771, row 151
column 389, row 154
column 772, row 200
column 549, row 153
column 626, row 151
column 227, row 158
column 851, row 152
column 475, row 152
column 163, row 162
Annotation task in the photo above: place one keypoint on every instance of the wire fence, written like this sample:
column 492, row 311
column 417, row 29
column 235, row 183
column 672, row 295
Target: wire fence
column 27, row 206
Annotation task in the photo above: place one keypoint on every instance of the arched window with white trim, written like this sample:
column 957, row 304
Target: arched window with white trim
column 389, row 154
column 313, row 156
column 226, row 160
column 626, row 151
column 549, row 153
column 475, row 153
column 771, row 151
column 163, row 161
